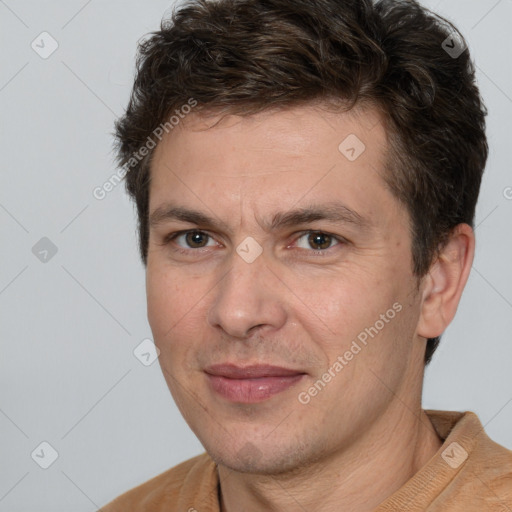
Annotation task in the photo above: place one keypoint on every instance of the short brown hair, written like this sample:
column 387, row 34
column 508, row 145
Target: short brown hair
column 245, row 56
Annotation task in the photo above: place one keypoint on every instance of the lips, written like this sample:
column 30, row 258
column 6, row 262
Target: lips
column 251, row 384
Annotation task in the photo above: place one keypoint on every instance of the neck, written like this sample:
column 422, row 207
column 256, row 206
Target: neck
column 356, row 479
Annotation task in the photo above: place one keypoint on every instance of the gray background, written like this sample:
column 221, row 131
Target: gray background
column 69, row 325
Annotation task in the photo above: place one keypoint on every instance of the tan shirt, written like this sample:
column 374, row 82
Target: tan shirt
column 469, row 473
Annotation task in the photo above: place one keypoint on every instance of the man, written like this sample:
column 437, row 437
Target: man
column 306, row 174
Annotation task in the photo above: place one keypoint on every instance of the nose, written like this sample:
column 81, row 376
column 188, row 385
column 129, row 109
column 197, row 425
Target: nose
column 248, row 298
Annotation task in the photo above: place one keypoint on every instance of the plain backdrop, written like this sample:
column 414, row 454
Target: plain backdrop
column 72, row 292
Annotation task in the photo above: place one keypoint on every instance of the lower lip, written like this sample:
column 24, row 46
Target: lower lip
column 251, row 390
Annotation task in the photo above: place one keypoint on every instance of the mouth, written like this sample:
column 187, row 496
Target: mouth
column 251, row 384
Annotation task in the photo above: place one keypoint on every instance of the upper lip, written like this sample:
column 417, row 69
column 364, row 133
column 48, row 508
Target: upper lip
column 232, row 371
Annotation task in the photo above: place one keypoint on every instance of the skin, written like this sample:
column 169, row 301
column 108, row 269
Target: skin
column 296, row 305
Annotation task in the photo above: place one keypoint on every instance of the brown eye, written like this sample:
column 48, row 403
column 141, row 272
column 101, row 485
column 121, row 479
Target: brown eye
column 190, row 239
column 319, row 240
column 196, row 239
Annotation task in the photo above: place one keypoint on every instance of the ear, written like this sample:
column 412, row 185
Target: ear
column 445, row 281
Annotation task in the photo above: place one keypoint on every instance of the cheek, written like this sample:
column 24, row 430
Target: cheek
column 349, row 310
column 177, row 306
column 169, row 298
column 346, row 301
column 173, row 317
column 158, row 296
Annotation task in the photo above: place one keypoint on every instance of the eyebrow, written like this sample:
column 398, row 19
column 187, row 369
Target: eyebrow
column 334, row 212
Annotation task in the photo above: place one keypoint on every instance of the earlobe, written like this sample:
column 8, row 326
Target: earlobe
column 445, row 281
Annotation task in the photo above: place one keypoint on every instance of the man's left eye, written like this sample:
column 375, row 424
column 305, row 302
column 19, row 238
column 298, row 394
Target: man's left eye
column 317, row 240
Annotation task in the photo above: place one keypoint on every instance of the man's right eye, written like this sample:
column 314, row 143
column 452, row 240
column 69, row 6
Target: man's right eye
column 192, row 239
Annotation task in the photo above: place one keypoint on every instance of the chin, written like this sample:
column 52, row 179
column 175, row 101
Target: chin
column 261, row 460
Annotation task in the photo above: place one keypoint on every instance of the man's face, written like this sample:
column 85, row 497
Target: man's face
column 252, row 306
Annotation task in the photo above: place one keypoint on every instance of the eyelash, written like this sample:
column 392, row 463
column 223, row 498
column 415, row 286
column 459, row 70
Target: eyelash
column 319, row 252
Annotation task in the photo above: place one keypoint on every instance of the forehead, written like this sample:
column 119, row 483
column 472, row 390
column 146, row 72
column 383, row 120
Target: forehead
column 273, row 159
column 309, row 130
